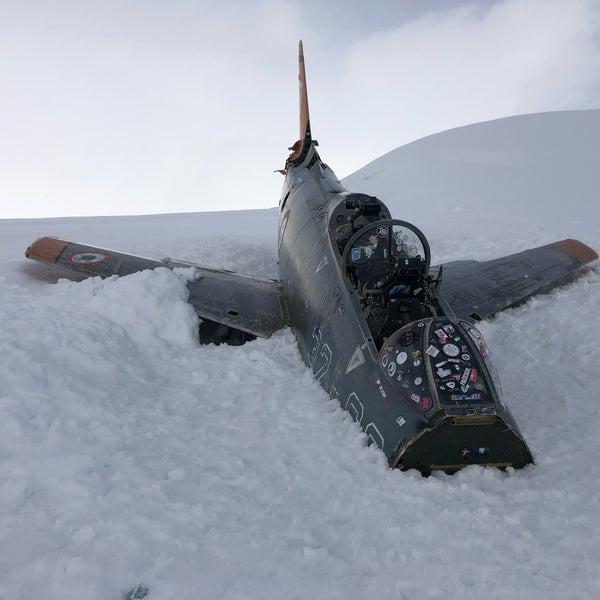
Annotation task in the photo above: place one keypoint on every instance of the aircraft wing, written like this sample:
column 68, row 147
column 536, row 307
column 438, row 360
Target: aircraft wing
column 241, row 302
column 481, row 289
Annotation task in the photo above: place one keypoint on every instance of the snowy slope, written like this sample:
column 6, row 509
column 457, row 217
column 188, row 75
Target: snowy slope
column 128, row 452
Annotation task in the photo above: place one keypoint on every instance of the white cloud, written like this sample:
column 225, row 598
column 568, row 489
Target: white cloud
column 127, row 107
column 470, row 64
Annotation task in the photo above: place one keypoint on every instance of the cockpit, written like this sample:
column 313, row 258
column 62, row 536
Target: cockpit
column 387, row 263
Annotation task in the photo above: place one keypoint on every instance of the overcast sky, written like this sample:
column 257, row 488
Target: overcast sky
column 148, row 106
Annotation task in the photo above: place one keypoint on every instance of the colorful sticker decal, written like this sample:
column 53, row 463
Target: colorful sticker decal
column 426, row 403
column 392, row 369
column 384, row 361
column 463, row 397
column 88, row 258
column 382, row 392
column 356, row 253
column 441, row 336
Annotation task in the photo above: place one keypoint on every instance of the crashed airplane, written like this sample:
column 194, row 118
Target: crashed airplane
column 389, row 336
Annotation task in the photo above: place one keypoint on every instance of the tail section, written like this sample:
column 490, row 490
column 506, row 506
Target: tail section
column 300, row 148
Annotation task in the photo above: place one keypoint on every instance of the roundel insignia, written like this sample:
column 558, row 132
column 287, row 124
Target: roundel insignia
column 88, row 258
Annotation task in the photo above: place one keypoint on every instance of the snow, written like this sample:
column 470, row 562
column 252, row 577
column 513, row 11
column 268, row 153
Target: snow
column 129, row 453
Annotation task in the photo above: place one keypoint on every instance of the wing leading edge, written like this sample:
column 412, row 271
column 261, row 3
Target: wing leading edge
column 240, row 302
column 481, row 289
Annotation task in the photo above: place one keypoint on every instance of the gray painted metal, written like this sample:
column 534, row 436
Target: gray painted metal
column 384, row 334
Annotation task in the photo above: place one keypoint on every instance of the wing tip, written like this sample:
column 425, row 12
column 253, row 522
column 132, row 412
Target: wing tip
column 46, row 249
column 578, row 250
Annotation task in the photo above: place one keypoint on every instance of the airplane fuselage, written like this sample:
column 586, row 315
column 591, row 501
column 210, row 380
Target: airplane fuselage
column 380, row 366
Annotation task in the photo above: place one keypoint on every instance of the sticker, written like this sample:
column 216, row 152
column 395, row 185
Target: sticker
column 443, row 372
column 416, row 353
column 88, row 258
column 465, row 377
column 401, row 358
column 420, row 324
column 466, row 357
column 407, row 339
column 418, row 381
column 426, row 403
column 392, row 369
column 417, row 363
column 400, row 376
column 356, row 253
column 441, row 364
column 450, row 385
column 432, row 351
column 462, row 397
column 390, row 349
column 441, row 336
column 473, row 375
column 412, row 251
column 475, row 333
column 384, row 361
column 382, row 231
column 415, row 397
column 401, row 421
column 382, row 391
column 451, row 350
column 448, row 328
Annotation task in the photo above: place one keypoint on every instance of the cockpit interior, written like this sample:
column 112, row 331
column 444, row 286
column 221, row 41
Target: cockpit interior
column 387, row 263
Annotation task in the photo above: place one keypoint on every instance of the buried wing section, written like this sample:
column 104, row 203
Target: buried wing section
column 481, row 289
column 234, row 308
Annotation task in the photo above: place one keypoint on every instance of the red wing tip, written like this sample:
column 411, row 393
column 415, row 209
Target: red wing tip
column 46, row 249
column 578, row 250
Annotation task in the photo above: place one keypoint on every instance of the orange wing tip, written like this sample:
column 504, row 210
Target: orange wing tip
column 46, row 249
column 578, row 250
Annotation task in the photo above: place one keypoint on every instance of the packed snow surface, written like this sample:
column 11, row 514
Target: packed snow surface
column 129, row 453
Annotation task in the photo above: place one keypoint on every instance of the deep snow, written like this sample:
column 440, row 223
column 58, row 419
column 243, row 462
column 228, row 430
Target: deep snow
column 130, row 453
